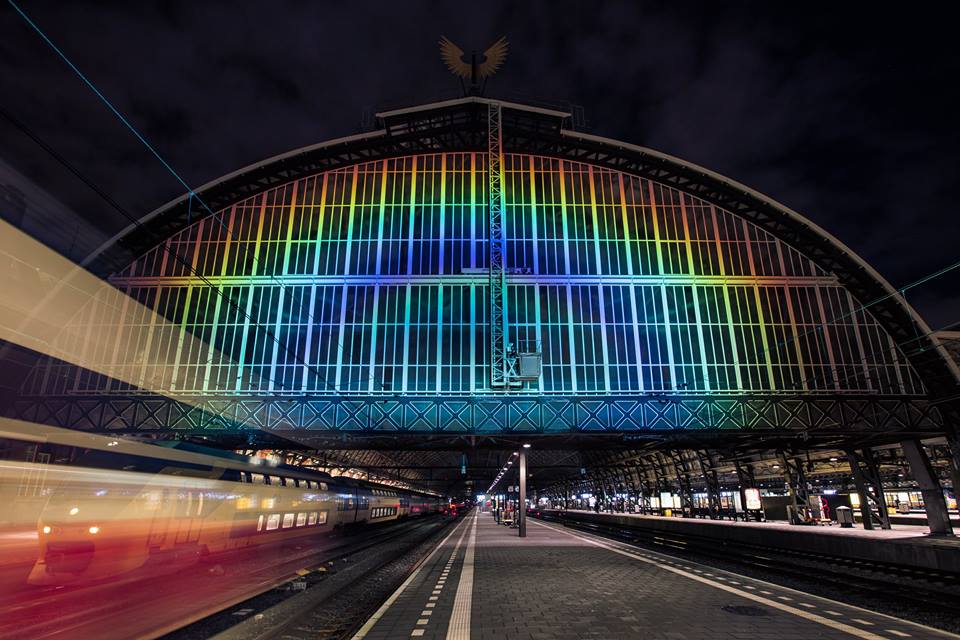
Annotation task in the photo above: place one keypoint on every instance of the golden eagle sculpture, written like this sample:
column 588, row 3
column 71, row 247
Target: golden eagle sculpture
column 480, row 66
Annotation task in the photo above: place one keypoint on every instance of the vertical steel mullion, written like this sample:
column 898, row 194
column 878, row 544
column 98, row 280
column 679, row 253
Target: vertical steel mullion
column 604, row 347
column 568, row 271
column 190, row 287
column 406, row 339
column 348, row 250
column 443, row 213
column 113, row 362
column 826, row 339
column 896, row 364
column 313, row 286
column 793, row 322
column 250, row 294
column 856, row 331
column 279, row 323
column 534, row 218
column 439, row 362
column 376, row 287
column 664, row 305
column 473, row 337
column 704, row 371
column 635, row 320
column 473, row 210
column 218, row 305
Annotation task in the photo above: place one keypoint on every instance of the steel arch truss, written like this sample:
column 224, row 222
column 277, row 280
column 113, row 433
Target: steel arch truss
column 461, row 125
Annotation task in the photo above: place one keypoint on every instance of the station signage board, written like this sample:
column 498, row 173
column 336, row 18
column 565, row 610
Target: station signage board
column 753, row 499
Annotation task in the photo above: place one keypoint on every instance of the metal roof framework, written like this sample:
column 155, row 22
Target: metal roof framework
column 461, row 125
column 623, row 423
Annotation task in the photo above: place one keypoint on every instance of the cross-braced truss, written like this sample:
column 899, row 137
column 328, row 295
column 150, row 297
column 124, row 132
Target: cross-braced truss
column 451, row 415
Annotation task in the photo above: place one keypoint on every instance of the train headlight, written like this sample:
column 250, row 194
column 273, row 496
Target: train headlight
column 94, row 530
column 74, row 511
column 46, row 529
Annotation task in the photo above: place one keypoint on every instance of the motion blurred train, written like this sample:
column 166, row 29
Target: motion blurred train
column 108, row 506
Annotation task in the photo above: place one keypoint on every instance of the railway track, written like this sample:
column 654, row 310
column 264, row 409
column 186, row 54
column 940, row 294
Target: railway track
column 934, row 590
column 325, row 605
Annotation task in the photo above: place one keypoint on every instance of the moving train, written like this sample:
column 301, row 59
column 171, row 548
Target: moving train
column 107, row 506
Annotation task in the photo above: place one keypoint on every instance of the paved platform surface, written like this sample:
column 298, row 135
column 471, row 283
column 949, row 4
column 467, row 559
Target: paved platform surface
column 484, row 582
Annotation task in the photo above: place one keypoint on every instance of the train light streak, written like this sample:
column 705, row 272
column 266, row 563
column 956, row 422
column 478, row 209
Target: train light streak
column 56, row 308
column 95, row 529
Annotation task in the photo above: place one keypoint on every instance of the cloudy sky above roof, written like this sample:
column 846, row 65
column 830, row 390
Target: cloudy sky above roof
column 846, row 117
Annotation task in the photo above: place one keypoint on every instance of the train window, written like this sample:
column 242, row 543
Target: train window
column 260, row 523
column 322, row 517
column 287, row 520
column 258, row 478
column 323, row 486
column 273, row 521
column 276, row 481
column 312, row 519
column 309, row 484
column 301, row 519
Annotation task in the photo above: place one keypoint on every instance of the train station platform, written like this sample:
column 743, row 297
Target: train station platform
column 483, row 582
column 902, row 545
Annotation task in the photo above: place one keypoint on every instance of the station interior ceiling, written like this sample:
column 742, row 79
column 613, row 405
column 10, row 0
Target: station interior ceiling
column 572, row 463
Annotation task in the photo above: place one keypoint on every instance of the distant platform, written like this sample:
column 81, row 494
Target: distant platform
column 897, row 531
column 484, row 582
column 913, row 519
column 906, row 545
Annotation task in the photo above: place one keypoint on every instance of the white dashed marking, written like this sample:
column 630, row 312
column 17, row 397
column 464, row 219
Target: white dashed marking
column 459, row 627
column 372, row 621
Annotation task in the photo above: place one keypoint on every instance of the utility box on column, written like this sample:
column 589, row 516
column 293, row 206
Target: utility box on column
column 529, row 366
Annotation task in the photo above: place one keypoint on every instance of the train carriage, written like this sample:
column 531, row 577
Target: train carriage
column 107, row 506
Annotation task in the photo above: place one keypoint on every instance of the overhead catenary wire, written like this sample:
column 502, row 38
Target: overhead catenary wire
column 191, row 193
column 25, row 130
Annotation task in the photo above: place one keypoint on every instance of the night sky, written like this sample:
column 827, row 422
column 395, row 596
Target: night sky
column 849, row 118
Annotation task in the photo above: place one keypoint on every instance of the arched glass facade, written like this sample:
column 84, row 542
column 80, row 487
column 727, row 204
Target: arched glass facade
column 371, row 279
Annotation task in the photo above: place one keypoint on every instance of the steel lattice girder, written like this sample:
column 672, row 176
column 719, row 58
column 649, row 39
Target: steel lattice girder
column 489, row 415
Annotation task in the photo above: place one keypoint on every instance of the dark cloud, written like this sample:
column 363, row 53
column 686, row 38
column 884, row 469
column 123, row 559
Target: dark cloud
column 844, row 114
